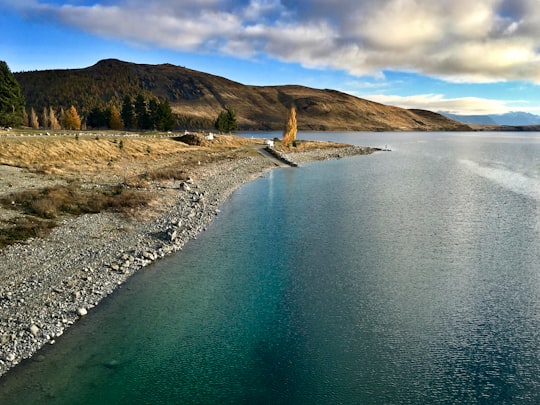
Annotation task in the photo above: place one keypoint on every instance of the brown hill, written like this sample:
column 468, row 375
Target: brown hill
column 197, row 98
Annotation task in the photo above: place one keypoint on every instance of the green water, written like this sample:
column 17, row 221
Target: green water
column 402, row 277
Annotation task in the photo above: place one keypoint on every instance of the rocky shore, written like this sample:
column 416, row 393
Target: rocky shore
column 47, row 284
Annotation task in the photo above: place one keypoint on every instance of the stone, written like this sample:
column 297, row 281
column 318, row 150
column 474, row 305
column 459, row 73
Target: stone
column 10, row 357
column 184, row 186
column 34, row 330
column 148, row 255
column 173, row 235
column 82, row 311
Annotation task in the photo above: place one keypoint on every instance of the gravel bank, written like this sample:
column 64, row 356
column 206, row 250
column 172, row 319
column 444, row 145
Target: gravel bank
column 47, row 284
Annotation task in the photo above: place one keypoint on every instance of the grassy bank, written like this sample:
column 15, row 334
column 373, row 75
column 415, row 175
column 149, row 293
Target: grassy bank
column 92, row 172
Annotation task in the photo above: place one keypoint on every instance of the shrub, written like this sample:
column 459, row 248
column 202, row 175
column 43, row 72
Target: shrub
column 51, row 202
column 23, row 228
column 167, row 173
column 43, row 206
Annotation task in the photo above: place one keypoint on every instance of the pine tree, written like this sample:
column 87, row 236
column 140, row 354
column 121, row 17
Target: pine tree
column 231, row 118
column 221, row 122
column 226, row 121
column 128, row 113
column 153, row 113
column 166, row 121
column 72, row 120
column 34, row 123
column 98, row 118
column 11, row 100
column 141, row 109
column 115, row 120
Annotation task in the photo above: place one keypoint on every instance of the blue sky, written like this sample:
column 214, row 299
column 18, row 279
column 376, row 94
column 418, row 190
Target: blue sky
column 459, row 56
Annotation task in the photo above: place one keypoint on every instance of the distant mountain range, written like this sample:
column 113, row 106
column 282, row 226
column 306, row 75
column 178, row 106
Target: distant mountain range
column 508, row 119
column 197, row 98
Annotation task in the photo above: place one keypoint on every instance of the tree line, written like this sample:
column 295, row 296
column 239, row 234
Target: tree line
column 139, row 113
column 51, row 119
column 11, row 100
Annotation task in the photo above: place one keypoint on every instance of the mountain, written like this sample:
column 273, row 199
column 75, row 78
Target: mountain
column 197, row 98
column 508, row 119
column 516, row 119
column 471, row 119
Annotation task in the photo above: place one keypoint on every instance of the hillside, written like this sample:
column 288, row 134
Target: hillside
column 197, row 98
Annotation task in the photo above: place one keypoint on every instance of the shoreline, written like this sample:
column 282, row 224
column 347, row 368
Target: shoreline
column 47, row 284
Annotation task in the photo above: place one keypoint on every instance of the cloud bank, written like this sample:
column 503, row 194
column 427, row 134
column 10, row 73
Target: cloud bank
column 460, row 105
column 458, row 40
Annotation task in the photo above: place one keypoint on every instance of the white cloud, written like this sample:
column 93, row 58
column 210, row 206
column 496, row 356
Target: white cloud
column 462, row 105
column 458, row 40
column 400, row 25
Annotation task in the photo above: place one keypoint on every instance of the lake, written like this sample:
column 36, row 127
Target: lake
column 410, row 276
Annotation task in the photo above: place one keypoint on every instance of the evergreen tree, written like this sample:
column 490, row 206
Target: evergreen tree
column 141, row 110
column 153, row 113
column 226, row 121
column 221, row 121
column 11, row 100
column 128, row 113
column 166, row 121
column 97, row 118
column 231, row 118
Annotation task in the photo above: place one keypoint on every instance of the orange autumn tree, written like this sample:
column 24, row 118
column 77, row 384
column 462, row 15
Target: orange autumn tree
column 289, row 136
column 53, row 121
column 33, row 119
column 72, row 119
column 115, row 121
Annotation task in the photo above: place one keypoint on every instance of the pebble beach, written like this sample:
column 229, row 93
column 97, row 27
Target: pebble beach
column 47, row 284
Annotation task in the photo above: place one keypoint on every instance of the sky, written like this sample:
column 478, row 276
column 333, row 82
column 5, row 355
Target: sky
column 459, row 56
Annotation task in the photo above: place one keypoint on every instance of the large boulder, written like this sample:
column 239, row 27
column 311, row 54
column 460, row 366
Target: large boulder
column 192, row 139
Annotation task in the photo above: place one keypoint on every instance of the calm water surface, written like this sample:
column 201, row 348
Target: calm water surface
column 403, row 277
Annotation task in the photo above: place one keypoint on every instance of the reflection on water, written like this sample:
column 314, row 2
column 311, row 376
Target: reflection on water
column 402, row 277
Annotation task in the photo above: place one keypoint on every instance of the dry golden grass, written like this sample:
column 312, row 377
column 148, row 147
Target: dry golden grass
column 100, row 159
column 303, row 146
column 98, row 167
column 87, row 155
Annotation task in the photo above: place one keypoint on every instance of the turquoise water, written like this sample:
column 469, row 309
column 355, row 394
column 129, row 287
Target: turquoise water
column 403, row 277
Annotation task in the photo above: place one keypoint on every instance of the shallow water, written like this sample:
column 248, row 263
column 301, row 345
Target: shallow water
column 402, row 277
